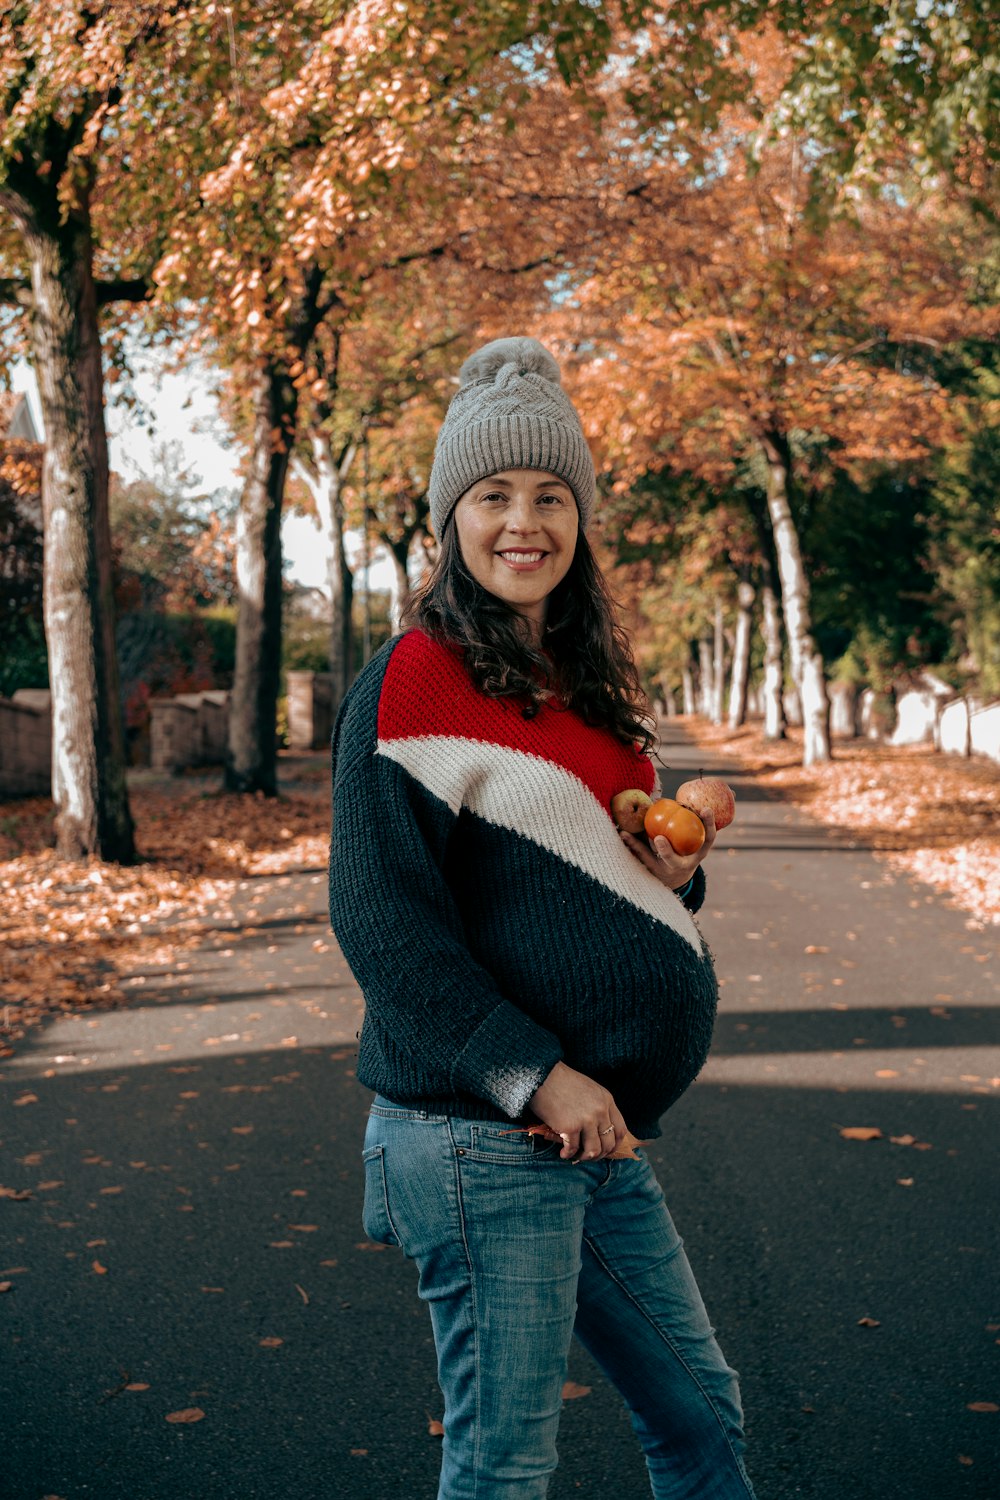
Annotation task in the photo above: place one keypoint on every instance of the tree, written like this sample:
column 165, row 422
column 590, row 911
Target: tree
column 86, row 179
column 719, row 325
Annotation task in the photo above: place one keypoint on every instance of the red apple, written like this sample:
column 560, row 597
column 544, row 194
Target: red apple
column 629, row 809
column 709, row 794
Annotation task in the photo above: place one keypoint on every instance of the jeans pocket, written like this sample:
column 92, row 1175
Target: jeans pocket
column 510, row 1144
column 375, row 1216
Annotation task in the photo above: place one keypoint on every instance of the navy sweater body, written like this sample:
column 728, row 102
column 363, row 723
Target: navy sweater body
column 488, row 908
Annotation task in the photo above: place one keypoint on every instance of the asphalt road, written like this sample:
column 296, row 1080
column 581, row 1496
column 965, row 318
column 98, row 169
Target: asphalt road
column 187, row 1231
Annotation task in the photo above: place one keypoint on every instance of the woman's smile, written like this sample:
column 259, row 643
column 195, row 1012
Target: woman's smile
column 522, row 561
column 518, row 531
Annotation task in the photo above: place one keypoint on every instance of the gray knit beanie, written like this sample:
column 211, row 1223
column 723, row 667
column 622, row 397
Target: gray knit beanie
column 509, row 412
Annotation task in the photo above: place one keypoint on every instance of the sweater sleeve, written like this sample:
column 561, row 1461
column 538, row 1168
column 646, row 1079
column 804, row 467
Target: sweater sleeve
column 400, row 931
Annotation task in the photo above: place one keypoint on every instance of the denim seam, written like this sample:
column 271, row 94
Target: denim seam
column 473, row 1304
column 677, row 1355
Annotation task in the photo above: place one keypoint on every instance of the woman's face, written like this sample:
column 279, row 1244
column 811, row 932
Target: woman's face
column 517, row 531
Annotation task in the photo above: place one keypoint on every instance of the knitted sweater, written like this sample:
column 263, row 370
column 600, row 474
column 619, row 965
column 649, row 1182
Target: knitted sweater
column 488, row 908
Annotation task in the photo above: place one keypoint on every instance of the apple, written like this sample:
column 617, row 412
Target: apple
column 683, row 829
column 629, row 809
column 709, row 794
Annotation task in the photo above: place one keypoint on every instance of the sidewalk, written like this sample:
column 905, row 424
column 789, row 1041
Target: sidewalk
column 185, row 1232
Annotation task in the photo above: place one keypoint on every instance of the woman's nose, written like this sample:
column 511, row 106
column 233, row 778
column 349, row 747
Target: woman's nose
column 522, row 520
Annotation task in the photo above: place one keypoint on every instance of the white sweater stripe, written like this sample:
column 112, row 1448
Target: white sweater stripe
column 545, row 803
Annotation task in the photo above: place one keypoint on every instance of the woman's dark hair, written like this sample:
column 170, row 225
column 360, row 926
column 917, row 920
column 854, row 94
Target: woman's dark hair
column 589, row 664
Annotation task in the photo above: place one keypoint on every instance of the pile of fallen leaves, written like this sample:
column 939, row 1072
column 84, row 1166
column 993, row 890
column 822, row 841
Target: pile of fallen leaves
column 70, row 931
column 931, row 815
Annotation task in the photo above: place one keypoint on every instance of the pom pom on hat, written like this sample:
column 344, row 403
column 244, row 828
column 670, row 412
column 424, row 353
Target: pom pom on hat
column 509, row 412
column 528, row 355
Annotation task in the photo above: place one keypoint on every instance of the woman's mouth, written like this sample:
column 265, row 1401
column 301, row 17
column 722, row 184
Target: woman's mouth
column 521, row 560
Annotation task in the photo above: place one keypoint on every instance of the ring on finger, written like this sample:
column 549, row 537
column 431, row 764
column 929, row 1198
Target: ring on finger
column 610, row 1131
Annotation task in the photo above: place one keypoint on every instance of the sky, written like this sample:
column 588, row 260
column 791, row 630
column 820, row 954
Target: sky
column 181, row 408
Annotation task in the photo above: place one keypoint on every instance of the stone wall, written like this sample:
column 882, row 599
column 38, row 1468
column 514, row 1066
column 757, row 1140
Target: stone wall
column 26, row 744
column 310, row 710
column 190, row 729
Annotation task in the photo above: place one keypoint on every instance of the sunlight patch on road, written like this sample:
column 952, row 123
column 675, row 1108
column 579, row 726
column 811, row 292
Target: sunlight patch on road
column 931, row 1070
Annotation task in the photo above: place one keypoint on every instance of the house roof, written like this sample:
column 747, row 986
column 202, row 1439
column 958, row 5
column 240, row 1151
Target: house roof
column 15, row 417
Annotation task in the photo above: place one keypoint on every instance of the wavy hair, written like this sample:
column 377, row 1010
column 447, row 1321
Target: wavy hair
column 586, row 657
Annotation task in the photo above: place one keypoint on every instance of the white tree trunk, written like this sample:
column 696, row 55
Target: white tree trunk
column 687, row 690
column 325, row 480
column 745, row 595
column 774, row 711
column 718, row 665
column 806, row 661
column 705, row 676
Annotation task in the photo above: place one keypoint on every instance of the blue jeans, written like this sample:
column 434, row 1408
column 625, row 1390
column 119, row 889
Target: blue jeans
column 517, row 1250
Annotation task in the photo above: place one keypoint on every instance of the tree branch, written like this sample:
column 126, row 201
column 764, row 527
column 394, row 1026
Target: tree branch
column 15, row 292
column 124, row 289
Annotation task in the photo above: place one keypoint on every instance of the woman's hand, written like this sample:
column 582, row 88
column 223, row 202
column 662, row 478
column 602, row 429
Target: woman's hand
column 675, row 870
column 581, row 1111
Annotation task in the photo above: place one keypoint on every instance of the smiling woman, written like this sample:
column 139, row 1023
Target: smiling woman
column 523, row 965
column 517, row 531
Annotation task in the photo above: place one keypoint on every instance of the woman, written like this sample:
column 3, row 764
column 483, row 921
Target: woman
column 522, row 962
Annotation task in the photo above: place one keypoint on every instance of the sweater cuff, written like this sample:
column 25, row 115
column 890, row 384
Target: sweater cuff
column 694, row 897
column 506, row 1058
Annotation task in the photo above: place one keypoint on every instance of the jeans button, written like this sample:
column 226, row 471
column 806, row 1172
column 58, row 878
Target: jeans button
column 460, row 1151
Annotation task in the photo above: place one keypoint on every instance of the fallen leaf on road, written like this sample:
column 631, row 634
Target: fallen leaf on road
column 369, row 1245
column 982, row 1406
column 572, row 1392
column 886, row 1073
column 47, row 1187
column 359, row 1452
column 213, row 1289
column 26, row 1099
column 281, row 1244
column 18, row 1194
column 5, row 1286
column 242, row 1129
column 302, row 1293
column 964, row 1458
column 434, row 1427
column 869, row 1323
column 187, row 1414
column 101, row 1270
column 861, row 1133
column 271, row 1343
column 137, row 1385
column 108, row 1191
column 905, row 1181
column 902, row 1140
column 304, row 1228
column 815, row 948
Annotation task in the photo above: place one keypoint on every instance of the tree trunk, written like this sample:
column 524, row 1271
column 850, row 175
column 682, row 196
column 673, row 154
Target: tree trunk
column 806, row 661
column 325, row 480
column 399, row 552
column 687, row 690
column 718, row 665
column 774, row 708
column 705, row 676
column 740, row 680
column 251, row 762
column 88, row 742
